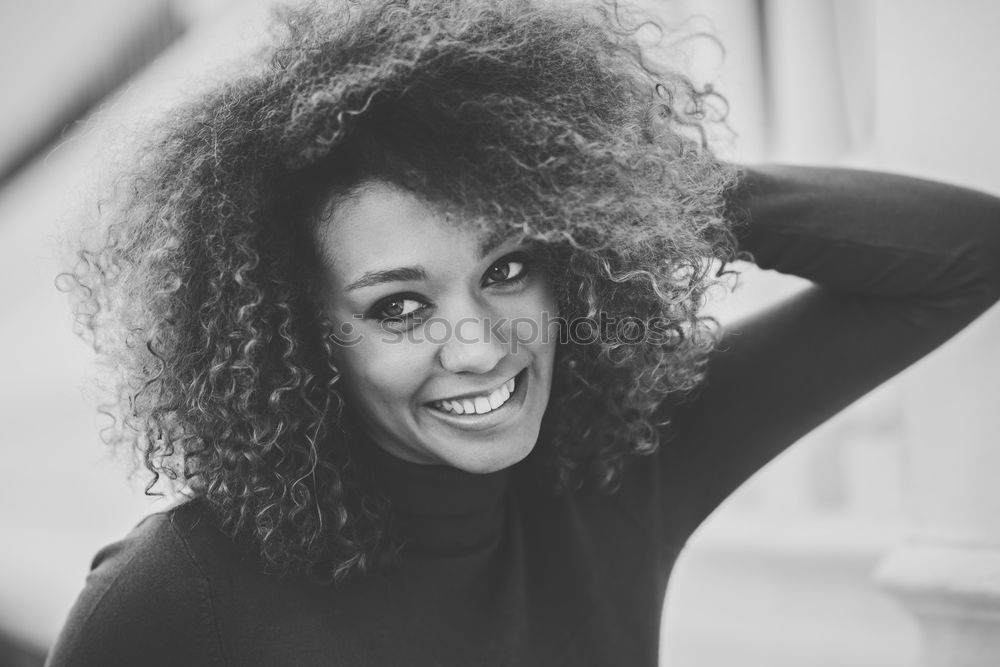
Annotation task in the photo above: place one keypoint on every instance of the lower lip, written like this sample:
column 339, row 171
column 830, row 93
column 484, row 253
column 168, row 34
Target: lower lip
column 477, row 422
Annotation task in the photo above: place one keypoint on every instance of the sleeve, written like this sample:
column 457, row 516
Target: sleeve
column 145, row 603
column 899, row 265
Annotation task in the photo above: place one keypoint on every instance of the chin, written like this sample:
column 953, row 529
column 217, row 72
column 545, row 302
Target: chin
column 492, row 461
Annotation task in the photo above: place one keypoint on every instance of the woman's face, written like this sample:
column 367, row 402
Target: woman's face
column 448, row 347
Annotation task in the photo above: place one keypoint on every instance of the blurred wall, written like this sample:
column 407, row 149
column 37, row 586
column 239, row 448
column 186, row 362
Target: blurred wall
column 782, row 575
column 63, row 495
column 58, row 58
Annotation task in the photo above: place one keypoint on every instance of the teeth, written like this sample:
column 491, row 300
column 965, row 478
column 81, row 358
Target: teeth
column 479, row 404
column 499, row 397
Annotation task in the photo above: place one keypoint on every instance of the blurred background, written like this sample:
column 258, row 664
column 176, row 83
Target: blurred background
column 873, row 542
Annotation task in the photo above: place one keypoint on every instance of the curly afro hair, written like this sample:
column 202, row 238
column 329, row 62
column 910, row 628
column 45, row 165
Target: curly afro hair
column 543, row 121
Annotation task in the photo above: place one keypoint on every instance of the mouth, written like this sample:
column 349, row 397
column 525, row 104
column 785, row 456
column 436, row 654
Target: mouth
column 483, row 409
column 479, row 403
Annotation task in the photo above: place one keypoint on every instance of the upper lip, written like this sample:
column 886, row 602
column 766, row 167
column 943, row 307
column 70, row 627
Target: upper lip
column 481, row 392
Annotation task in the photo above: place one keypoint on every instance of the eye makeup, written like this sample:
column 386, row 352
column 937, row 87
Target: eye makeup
column 399, row 309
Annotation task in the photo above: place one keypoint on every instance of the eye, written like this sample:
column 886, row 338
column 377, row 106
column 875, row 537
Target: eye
column 396, row 308
column 510, row 269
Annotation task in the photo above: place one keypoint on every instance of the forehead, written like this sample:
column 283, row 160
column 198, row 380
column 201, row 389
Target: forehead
column 381, row 226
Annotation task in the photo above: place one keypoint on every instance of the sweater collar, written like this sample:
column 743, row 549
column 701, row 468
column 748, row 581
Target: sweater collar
column 437, row 508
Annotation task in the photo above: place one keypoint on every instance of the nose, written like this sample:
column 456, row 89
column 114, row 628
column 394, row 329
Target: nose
column 471, row 348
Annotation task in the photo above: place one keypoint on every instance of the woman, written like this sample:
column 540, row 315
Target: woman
column 413, row 315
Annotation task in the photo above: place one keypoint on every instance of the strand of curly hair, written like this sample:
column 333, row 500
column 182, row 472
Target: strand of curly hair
column 538, row 121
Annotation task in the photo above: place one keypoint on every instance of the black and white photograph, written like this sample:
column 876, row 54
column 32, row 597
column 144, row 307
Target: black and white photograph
column 500, row 333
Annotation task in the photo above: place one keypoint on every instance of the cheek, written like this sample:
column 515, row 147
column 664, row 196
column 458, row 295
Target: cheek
column 380, row 375
column 535, row 320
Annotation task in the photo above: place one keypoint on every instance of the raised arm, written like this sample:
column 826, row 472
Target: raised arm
column 899, row 265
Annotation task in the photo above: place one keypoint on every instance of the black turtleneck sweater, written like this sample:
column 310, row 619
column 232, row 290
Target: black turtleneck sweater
column 495, row 569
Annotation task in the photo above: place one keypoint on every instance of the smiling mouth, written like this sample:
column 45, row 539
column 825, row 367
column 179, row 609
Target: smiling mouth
column 481, row 404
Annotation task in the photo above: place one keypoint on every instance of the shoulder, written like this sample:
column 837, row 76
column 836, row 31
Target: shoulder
column 149, row 598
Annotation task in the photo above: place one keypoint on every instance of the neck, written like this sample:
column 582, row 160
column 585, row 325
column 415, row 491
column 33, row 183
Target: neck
column 437, row 508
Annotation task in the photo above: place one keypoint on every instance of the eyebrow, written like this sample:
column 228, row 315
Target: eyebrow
column 413, row 273
column 401, row 274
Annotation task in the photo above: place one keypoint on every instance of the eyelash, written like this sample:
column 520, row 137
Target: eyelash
column 377, row 311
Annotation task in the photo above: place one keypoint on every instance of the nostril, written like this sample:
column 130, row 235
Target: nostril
column 477, row 356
